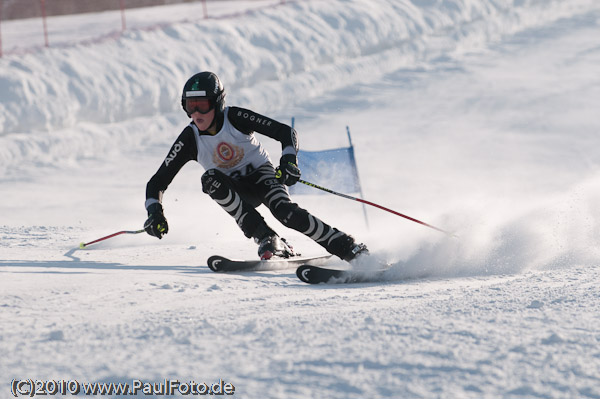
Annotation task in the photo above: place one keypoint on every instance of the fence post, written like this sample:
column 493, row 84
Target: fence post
column 205, row 9
column 43, row 3
column 122, row 6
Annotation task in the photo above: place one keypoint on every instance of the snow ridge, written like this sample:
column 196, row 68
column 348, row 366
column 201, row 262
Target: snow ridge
column 269, row 57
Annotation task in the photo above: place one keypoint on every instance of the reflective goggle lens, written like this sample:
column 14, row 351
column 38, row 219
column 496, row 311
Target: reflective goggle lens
column 202, row 105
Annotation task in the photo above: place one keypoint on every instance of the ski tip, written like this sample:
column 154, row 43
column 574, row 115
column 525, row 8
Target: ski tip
column 303, row 272
column 214, row 263
column 312, row 274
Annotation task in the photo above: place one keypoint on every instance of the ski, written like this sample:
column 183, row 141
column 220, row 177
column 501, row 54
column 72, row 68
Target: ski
column 313, row 274
column 218, row 263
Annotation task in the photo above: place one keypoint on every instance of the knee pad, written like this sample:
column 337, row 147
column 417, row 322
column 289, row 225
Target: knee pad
column 214, row 183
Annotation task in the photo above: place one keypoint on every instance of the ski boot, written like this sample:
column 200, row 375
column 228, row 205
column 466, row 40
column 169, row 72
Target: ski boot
column 347, row 249
column 355, row 252
column 274, row 245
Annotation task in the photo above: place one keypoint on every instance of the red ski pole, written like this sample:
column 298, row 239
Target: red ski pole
column 85, row 244
column 376, row 206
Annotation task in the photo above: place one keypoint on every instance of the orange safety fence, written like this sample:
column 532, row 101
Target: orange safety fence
column 30, row 25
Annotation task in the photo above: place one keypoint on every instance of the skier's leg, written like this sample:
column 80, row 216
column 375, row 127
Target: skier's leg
column 333, row 240
column 226, row 193
column 277, row 199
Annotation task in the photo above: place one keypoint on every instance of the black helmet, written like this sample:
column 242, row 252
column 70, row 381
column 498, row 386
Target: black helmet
column 204, row 85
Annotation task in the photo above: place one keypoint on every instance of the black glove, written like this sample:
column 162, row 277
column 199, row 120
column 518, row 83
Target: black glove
column 287, row 172
column 156, row 224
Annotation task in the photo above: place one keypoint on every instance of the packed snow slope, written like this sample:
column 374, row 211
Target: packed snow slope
column 475, row 116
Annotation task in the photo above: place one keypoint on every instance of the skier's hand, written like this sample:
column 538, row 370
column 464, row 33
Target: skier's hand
column 156, row 224
column 288, row 172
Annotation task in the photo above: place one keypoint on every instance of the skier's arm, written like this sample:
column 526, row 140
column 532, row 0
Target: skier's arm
column 182, row 151
column 247, row 121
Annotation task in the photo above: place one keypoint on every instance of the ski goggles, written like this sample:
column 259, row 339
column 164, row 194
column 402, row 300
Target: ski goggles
column 199, row 104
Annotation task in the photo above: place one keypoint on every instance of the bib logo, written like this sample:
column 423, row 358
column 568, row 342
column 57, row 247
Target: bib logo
column 176, row 148
column 227, row 155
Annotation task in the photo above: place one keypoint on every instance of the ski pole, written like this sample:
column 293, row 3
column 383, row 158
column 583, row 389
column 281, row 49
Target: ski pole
column 376, row 206
column 85, row 244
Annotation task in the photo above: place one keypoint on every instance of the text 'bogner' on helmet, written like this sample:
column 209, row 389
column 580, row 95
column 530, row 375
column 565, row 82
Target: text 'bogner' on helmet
column 203, row 85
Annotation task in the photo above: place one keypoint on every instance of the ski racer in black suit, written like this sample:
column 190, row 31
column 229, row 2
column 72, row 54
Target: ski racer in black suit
column 239, row 174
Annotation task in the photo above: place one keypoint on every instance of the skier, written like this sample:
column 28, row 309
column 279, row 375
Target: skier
column 239, row 174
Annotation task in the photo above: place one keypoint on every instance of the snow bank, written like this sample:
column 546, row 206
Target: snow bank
column 272, row 58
